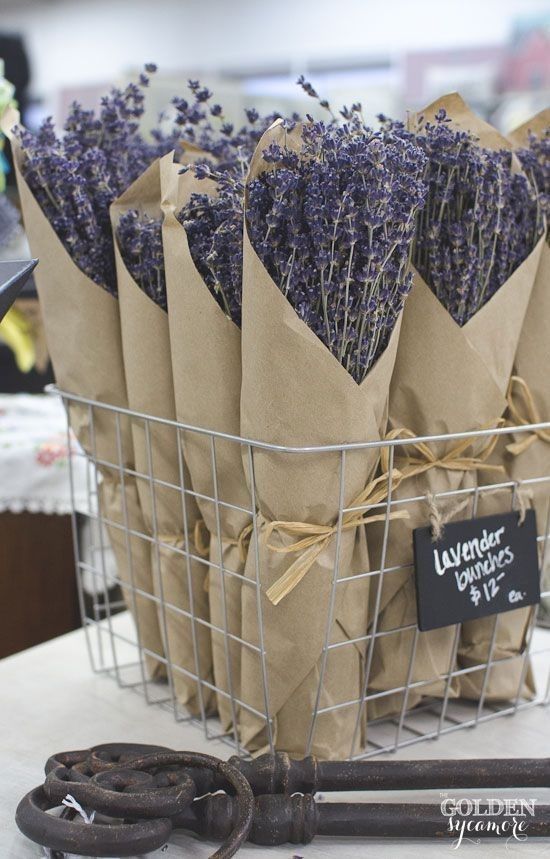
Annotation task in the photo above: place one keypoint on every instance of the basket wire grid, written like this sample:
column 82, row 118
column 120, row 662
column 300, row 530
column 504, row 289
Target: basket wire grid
column 114, row 642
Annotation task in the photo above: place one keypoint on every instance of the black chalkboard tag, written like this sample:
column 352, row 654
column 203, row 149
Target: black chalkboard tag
column 479, row 567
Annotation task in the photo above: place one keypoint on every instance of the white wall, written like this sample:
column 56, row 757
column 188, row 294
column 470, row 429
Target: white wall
column 92, row 41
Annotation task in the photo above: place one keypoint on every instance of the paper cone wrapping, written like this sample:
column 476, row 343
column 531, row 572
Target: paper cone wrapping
column 429, row 396
column 447, row 379
column 531, row 364
column 206, row 361
column 504, row 680
column 147, row 365
column 296, row 393
column 81, row 321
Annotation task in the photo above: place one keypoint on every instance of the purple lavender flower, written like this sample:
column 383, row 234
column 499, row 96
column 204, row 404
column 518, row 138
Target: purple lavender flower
column 334, row 227
column 214, row 227
column 229, row 148
column 214, row 223
column 535, row 160
column 139, row 238
column 76, row 177
column 480, row 220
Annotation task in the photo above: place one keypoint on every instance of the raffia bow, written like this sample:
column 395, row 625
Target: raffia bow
column 523, row 409
column 201, row 543
column 200, row 539
column 242, row 542
column 314, row 539
column 424, row 459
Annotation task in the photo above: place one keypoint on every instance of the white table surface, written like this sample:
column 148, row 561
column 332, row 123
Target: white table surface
column 51, row 701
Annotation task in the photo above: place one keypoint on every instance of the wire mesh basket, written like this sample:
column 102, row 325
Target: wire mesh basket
column 401, row 709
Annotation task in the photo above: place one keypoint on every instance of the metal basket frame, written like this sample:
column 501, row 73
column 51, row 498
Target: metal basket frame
column 107, row 639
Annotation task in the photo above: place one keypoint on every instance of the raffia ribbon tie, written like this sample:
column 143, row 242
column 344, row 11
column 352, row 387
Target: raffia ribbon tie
column 314, row 539
column 424, row 459
column 242, row 541
column 523, row 411
column 200, row 539
column 171, row 540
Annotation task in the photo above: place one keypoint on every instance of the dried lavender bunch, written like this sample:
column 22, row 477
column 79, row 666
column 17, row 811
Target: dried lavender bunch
column 479, row 222
column 214, row 223
column 334, row 225
column 203, row 124
column 535, row 160
column 214, row 227
column 139, row 238
column 76, row 177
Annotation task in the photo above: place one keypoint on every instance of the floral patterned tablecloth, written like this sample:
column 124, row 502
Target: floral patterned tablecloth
column 34, row 465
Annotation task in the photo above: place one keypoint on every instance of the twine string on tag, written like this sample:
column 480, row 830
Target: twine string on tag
column 438, row 518
column 524, row 498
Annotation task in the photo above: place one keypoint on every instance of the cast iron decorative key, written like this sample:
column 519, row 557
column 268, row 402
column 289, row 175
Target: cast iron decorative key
column 144, row 792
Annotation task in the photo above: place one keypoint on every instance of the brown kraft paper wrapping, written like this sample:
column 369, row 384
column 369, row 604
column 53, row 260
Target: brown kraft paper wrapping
column 147, row 365
column 82, row 326
column 529, row 454
column 502, row 331
column 206, row 362
column 295, row 392
column 447, row 379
